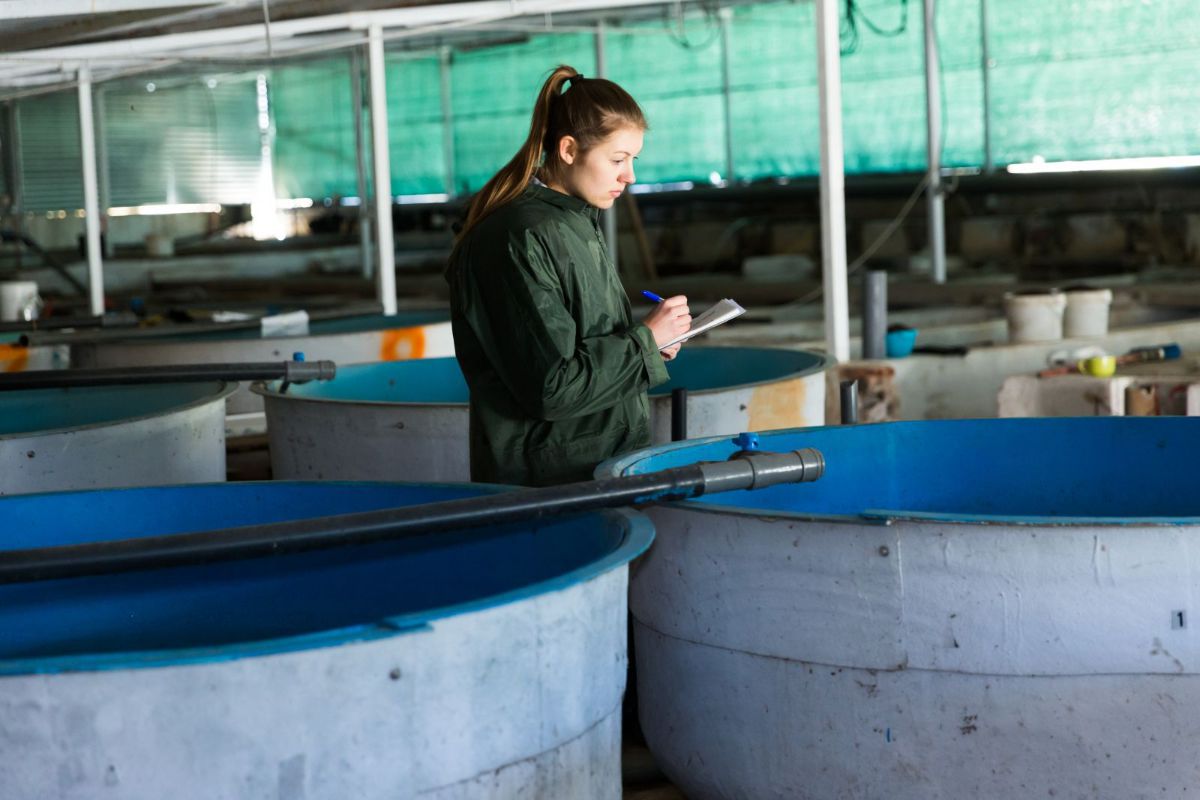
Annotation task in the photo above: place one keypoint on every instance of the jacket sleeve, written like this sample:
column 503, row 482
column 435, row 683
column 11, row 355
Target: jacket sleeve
column 518, row 313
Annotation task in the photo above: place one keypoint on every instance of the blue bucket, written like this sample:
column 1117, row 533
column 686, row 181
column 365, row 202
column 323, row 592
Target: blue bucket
column 899, row 343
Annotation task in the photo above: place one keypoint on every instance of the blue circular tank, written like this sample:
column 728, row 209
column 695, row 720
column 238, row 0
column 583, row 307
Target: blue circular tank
column 966, row 608
column 467, row 662
column 1114, row 469
column 108, row 436
column 409, row 420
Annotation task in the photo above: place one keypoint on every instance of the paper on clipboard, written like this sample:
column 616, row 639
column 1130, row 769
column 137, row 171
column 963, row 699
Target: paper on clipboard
column 718, row 314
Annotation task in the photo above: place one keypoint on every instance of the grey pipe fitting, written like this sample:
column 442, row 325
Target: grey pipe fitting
column 303, row 371
column 760, row 470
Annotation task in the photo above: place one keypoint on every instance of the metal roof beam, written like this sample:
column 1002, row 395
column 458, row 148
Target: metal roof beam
column 177, row 45
column 44, row 9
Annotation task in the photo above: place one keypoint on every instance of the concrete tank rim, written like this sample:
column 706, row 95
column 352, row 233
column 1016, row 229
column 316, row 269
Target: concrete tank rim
column 823, row 363
column 619, row 465
column 639, row 535
column 264, row 390
column 902, row 520
column 226, row 388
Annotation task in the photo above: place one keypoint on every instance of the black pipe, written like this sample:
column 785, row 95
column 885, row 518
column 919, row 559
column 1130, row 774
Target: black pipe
column 288, row 371
column 35, row 338
column 111, row 320
column 678, row 415
column 849, row 402
column 276, row 538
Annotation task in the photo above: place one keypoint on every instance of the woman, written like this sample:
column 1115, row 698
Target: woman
column 543, row 330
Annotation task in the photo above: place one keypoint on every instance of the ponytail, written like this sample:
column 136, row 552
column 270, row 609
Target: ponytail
column 589, row 110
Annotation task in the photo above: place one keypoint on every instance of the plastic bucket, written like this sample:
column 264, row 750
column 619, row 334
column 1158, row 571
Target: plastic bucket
column 899, row 343
column 1035, row 317
column 159, row 246
column 1087, row 312
column 19, row 301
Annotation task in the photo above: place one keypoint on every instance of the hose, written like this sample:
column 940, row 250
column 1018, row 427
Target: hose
column 747, row 470
column 298, row 371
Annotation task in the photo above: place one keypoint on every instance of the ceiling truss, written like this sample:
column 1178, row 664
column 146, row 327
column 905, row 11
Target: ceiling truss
column 24, row 72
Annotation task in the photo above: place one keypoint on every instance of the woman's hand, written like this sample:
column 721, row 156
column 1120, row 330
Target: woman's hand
column 672, row 351
column 669, row 319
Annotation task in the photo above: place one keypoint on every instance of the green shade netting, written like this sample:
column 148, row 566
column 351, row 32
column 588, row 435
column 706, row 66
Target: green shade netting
column 1078, row 79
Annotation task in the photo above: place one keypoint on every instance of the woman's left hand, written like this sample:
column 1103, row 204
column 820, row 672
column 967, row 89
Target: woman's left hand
column 669, row 353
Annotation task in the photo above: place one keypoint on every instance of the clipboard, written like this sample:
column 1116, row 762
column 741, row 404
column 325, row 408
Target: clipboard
column 718, row 314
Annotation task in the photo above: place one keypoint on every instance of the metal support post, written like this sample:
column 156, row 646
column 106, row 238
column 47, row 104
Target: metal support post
column 986, row 68
column 360, row 166
column 386, row 283
column 106, row 241
column 935, row 201
column 833, row 196
column 447, row 121
column 12, row 161
column 726, row 18
column 610, row 215
column 91, row 199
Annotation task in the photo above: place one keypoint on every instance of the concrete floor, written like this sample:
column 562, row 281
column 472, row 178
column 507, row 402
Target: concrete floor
column 642, row 778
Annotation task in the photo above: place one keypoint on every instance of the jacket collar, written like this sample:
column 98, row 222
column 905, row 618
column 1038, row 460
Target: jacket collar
column 542, row 192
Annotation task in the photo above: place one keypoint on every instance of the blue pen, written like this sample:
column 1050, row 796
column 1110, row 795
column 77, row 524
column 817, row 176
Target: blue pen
column 652, row 296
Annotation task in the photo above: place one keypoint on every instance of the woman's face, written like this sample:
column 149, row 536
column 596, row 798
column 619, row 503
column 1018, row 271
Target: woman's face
column 601, row 174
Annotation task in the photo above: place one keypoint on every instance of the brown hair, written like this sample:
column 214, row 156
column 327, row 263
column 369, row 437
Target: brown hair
column 590, row 110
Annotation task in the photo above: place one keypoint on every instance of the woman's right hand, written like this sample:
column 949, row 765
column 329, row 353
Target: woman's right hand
column 669, row 319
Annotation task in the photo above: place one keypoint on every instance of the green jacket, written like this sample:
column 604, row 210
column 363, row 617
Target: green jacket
column 545, row 336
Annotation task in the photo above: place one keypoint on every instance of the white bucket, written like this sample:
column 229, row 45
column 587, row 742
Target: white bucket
column 159, row 246
column 1035, row 317
column 19, row 301
column 1087, row 312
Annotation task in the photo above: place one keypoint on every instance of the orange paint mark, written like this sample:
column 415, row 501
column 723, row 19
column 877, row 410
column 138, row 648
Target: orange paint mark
column 401, row 344
column 13, row 357
column 779, row 405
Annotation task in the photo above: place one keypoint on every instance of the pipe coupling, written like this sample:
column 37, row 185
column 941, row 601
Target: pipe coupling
column 304, row 371
column 758, row 470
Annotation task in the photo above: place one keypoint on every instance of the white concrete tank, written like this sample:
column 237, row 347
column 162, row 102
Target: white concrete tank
column 105, row 436
column 957, row 609
column 477, row 664
column 349, row 340
column 16, row 357
column 408, row 421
